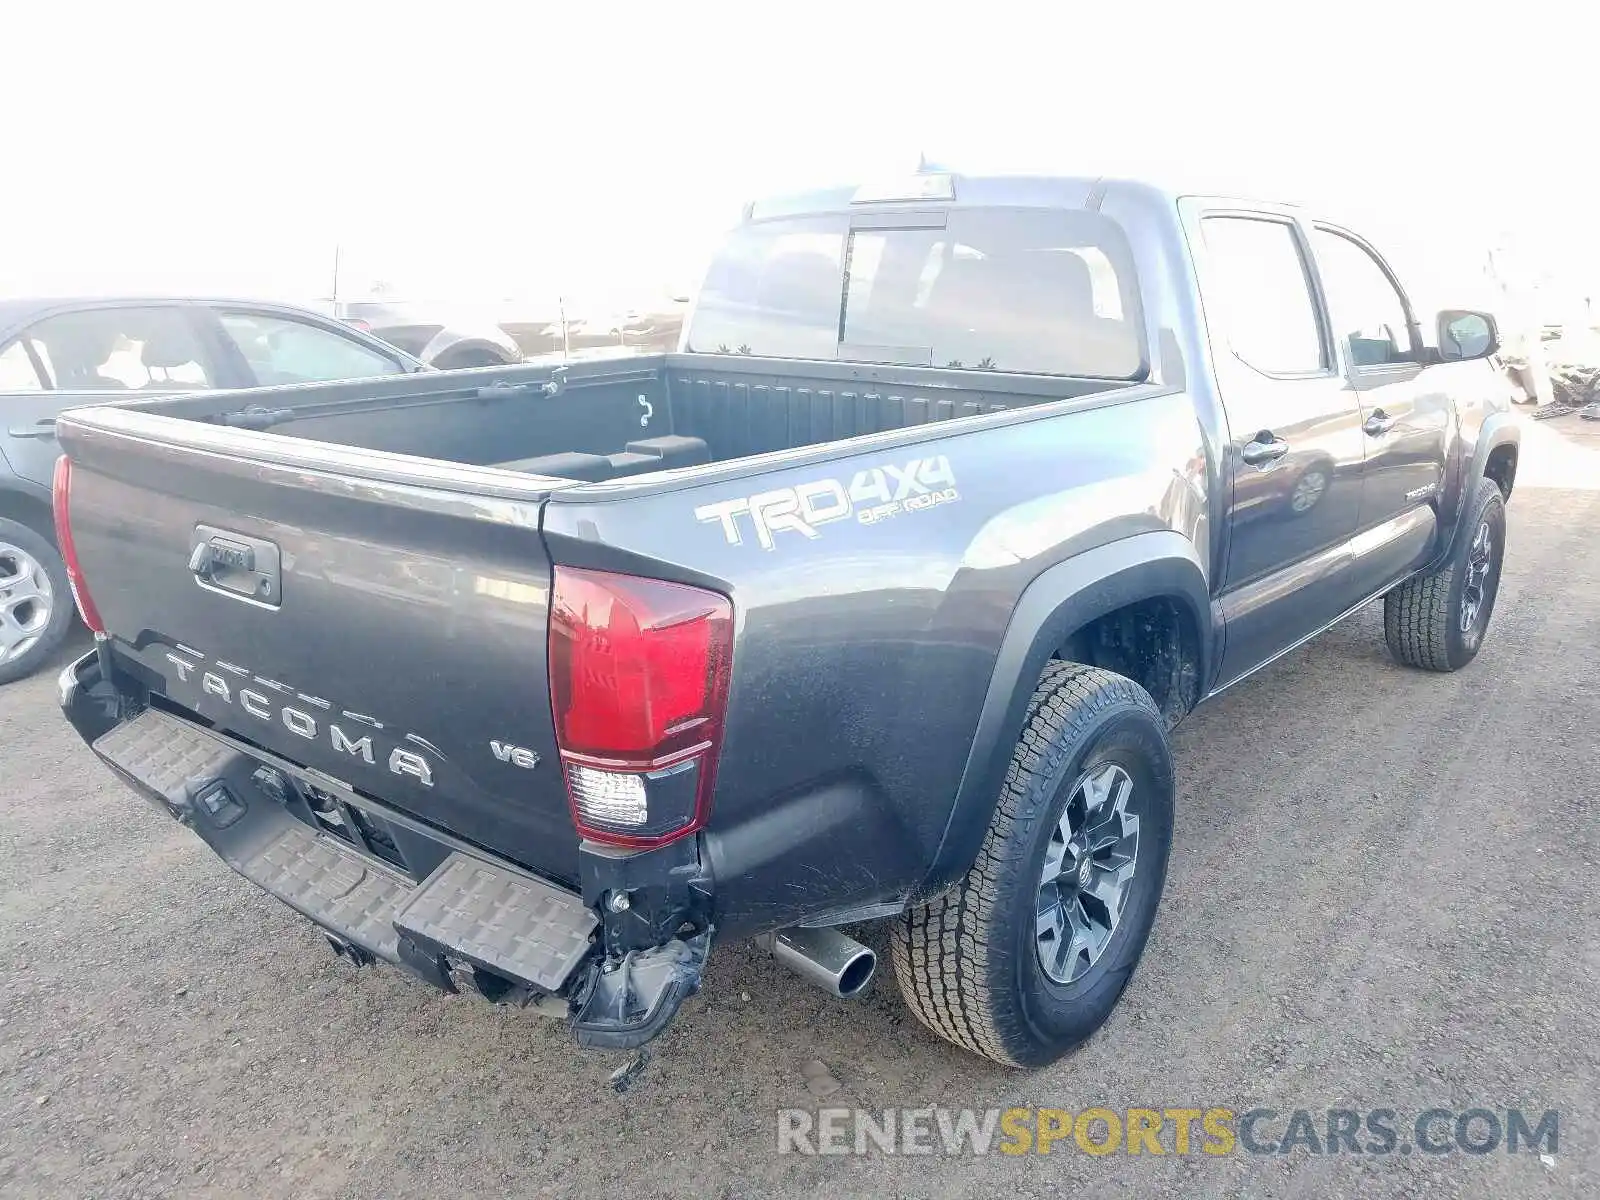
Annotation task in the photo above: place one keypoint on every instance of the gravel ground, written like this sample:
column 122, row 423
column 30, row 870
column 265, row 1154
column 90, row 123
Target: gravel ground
column 1382, row 895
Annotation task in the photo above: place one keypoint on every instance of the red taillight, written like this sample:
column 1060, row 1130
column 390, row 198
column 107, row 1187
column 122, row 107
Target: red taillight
column 61, row 502
column 639, row 685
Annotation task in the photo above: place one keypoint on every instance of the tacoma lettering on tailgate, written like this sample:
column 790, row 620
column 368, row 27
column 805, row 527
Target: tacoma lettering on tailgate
column 310, row 717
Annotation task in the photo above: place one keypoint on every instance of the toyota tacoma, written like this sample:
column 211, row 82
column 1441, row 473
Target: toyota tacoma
column 875, row 601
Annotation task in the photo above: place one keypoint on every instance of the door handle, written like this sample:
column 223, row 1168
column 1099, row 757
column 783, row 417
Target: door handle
column 45, row 428
column 1263, row 448
column 1378, row 423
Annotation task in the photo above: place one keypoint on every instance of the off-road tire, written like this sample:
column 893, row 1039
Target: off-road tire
column 1422, row 617
column 40, row 549
column 967, row 964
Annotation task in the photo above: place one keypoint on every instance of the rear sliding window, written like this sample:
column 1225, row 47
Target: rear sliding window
column 1043, row 291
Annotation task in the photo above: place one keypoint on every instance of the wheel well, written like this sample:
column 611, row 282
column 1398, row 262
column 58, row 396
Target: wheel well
column 25, row 510
column 1502, row 468
column 476, row 353
column 1154, row 642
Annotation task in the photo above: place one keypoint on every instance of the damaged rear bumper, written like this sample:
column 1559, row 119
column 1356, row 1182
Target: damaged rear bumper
column 382, row 886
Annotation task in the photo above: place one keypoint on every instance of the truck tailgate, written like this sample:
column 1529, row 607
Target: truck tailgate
column 389, row 630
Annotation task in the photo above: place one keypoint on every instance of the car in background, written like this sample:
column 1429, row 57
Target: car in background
column 449, row 340
column 55, row 354
column 585, row 332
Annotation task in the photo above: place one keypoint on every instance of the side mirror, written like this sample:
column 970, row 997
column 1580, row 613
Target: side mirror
column 1464, row 335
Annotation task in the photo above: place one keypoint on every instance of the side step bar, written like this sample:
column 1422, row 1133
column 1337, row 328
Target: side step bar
column 488, row 914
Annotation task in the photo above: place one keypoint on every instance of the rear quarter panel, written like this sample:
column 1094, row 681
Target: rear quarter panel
column 866, row 643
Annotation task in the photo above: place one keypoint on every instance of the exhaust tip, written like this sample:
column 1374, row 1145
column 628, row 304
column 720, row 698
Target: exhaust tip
column 857, row 974
column 839, row 965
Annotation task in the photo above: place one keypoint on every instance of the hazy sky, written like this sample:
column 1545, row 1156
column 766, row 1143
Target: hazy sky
column 501, row 149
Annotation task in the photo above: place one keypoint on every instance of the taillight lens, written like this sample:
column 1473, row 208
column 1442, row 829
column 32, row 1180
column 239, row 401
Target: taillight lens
column 61, row 503
column 639, row 687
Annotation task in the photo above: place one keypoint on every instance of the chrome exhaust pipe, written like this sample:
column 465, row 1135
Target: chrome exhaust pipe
column 839, row 965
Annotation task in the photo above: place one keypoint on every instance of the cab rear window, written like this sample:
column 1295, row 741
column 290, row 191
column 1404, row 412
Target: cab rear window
column 1043, row 291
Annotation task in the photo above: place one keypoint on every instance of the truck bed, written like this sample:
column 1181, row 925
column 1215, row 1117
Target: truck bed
column 615, row 418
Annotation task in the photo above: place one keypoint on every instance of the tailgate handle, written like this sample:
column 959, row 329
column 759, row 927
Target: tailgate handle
column 208, row 556
column 236, row 565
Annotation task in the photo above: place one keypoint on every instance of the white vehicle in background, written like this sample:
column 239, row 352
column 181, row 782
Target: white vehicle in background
column 446, row 338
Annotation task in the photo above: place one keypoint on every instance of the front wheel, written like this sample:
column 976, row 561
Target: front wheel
column 1437, row 621
column 35, row 601
column 1027, row 955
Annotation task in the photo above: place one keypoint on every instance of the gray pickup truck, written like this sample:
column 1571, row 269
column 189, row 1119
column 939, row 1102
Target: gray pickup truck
column 876, row 601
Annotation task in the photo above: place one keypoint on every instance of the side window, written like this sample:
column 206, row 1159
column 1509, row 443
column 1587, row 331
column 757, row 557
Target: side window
column 122, row 349
column 16, row 370
column 1364, row 305
column 1260, row 295
column 283, row 350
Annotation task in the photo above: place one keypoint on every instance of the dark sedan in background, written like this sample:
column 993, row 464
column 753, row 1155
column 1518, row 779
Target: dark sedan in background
column 56, row 354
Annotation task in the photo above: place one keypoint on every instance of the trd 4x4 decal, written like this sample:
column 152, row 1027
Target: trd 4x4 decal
column 873, row 495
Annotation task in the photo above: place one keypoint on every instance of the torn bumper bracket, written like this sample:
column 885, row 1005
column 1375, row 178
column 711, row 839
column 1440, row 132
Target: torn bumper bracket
column 624, row 1003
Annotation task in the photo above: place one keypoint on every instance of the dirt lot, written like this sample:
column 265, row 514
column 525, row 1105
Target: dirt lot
column 1382, row 895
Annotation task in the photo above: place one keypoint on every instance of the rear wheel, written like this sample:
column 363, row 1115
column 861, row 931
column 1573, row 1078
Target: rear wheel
column 35, row 601
column 1026, row 957
column 1438, row 621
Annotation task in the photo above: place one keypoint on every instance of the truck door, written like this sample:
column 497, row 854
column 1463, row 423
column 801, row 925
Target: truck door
column 1294, row 459
column 1405, row 424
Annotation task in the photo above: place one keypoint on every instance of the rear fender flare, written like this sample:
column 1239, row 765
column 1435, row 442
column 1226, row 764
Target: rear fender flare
column 1058, row 602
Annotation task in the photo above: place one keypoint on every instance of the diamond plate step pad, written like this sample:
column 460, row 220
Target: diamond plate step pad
column 163, row 754
column 333, row 886
column 503, row 921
